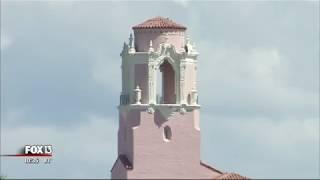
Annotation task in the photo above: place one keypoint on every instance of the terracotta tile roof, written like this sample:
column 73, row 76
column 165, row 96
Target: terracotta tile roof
column 223, row 175
column 159, row 23
column 210, row 167
column 228, row 176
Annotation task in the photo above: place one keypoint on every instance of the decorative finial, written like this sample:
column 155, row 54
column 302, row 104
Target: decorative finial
column 188, row 46
column 131, row 47
column 131, row 40
column 124, row 49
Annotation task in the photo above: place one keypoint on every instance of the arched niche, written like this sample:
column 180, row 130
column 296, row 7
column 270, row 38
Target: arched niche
column 166, row 83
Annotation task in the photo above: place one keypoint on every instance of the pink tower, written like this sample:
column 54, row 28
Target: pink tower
column 159, row 133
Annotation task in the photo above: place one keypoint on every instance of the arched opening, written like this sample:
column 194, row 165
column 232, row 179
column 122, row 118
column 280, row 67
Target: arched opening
column 166, row 84
column 167, row 134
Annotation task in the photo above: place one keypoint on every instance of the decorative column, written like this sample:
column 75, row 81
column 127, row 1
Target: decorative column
column 151, row 82
column 194, row 92
column 177, row 82
column 195, row 76
column 182, row 83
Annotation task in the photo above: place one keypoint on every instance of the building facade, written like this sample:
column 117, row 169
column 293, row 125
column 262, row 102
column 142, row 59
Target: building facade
column 159, row 133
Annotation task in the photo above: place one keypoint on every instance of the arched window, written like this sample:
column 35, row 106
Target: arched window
column 167, row 133
column 166, row 84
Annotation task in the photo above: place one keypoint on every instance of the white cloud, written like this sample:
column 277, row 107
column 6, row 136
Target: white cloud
column 106, row 71
column 12, row 117
column 183, row 3
column 258, row 65
column 251, row 117
column 283, row 133
column 87, row 149
column 6, row 41
column 253, row 80
column 239, row 143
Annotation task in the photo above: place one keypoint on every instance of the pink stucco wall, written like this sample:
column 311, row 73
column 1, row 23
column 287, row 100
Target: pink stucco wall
column 143, row 36
column 154, row 157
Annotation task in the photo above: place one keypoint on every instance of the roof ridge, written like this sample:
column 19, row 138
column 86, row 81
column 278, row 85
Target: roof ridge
column 210, row 167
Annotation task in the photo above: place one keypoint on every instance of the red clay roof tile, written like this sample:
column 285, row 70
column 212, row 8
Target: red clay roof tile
column 159, row 23
column 228, row 176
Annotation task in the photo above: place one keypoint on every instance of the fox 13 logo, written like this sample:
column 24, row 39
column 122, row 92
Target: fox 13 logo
column 34, row 154
column 38, row 150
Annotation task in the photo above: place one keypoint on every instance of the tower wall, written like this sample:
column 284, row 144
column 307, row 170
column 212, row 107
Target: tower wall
column 159, row 139
column 152, row 155
column 175, row 37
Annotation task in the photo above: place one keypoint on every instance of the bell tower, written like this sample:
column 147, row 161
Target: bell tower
column 159, row 134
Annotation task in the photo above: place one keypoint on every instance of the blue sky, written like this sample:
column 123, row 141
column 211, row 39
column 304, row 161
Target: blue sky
column 258, row 83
